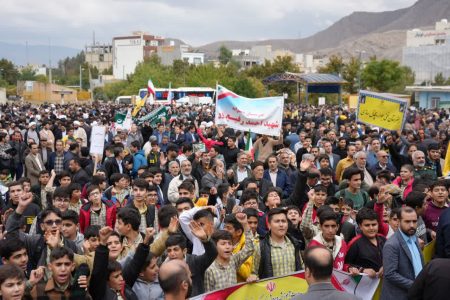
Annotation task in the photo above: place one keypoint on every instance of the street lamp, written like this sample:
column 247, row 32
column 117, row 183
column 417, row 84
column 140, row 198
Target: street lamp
column 81, row 69
column 360, row 65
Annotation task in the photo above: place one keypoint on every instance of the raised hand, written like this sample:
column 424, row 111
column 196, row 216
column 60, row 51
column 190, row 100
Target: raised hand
column 305, row 165
column 24, row 200
column 36, row 275
column 383, row 195
column 104, row 234
column 311, row 195
column 173, row 226
column 198, row 231
column 162, row 159
column 242, row 218
column 52, row 240
column 149, row 234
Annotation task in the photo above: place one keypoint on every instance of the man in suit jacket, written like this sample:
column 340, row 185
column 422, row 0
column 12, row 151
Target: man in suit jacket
column 191, row 136
column 334, row 158
column 432, row 282
column 318, row 271
column 277, row 176
column 33, row 164
column 402, row 258
column 177, row 137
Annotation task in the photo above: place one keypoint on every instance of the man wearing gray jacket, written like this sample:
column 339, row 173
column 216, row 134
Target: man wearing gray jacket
column 402, row 258
column 318, row 270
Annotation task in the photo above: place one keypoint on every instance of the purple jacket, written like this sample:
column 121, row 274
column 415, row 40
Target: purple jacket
column 431, row 216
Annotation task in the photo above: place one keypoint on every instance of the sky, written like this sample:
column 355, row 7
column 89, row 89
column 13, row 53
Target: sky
column 71, row 23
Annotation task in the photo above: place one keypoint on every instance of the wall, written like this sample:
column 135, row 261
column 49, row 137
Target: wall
column 127, row 53
column 425, row 99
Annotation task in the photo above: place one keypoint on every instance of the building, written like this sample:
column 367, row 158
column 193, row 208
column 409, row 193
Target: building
column 427, row 52
column 171, row 52
column 99, row 56
column 38, row 93
column 129, row 51
column 431, row 96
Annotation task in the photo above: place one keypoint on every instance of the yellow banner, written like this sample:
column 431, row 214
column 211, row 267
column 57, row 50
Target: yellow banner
column 428, row 251
column 381, row 111
column 446, row 171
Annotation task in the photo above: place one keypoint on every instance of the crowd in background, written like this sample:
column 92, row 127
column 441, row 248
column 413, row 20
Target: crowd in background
column 183, row 207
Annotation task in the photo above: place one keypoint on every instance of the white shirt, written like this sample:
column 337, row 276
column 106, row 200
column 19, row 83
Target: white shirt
column 241, row 175
column 273, row 177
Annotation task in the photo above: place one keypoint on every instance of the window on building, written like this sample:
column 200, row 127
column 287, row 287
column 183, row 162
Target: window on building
column 197, row 60
column 434, row 102
column 101, row 57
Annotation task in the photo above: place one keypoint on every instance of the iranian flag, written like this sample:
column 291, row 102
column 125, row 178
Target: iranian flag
column 150, row 88
column 249, row 145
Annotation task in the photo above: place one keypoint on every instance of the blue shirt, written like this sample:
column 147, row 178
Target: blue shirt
column 415, row 253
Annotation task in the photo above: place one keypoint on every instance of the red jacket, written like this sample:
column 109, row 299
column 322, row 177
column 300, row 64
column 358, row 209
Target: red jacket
column 397, row 181
column 85, row 215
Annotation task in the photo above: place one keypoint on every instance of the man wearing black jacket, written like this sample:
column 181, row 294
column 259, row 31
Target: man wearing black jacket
column 176, row 249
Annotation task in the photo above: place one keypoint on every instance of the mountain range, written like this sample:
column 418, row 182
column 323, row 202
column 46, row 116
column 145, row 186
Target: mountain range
column 377, row 33
column 35, row 54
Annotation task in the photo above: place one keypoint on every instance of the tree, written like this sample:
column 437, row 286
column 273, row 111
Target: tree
column 439, row 79
column 8, row 72
column 224, row 55
column 351, row 73
column 335, row 65
column 27, row 74
column 386, row 76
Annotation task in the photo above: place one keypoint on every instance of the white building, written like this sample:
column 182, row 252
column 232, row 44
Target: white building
column 129, row 51
column 427, row 52
column 173, row 52
column 99, row 56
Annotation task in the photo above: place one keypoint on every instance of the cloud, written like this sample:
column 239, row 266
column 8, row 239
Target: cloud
column 71, row 23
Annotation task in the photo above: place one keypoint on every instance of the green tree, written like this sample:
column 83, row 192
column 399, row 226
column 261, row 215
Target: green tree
column 350, row 73
column 225, row 55
column 386, row 76
column 8, row 72
column 41, row 78
column 335, row 65
column 27, row 74
column 439, row 79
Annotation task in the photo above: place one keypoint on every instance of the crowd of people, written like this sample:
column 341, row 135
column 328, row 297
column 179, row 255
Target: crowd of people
column 182, row 207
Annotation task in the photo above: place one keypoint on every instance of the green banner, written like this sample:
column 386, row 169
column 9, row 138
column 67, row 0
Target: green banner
column 119, row 118
column 154, row 117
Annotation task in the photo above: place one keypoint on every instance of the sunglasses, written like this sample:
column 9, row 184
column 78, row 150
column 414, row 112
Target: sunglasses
column 53, row 222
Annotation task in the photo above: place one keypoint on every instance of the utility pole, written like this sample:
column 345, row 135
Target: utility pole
column 360, row 65
column 81, row 69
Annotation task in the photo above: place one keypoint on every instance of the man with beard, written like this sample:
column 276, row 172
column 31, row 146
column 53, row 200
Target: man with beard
column 402, row 258
column 420, row 168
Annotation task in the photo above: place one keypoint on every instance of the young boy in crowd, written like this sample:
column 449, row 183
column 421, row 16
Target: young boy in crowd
column 60, row 284
column 234, row 227
column 438, row 203
column 97, row 211
column 253, row 221
column 364, row 253
column 310, row 221
column 295, row 218
column 223, row 271
column 70, row 229
column 128, row 221
column 176, row 248
column 327, row 237
column 91, row 238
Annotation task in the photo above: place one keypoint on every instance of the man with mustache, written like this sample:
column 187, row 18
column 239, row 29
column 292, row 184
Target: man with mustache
column 402, row 258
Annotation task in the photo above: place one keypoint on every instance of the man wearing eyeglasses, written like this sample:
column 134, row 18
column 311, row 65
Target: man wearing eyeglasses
column 382, row 164
column 39, row 245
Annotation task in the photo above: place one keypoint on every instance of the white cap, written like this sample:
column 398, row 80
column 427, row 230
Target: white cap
column 32, row 123
column 76, row 123
column 203, row 123
column 209, row 124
